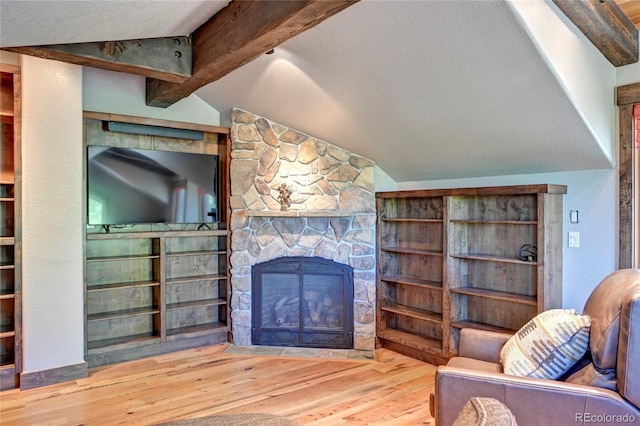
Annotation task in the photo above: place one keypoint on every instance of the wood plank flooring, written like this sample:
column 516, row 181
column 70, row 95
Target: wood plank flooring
column 391, row 390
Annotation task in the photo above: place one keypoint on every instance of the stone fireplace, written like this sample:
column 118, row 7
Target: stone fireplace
column 331, row 215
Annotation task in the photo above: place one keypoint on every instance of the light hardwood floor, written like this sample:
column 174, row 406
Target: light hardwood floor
column 391, row 390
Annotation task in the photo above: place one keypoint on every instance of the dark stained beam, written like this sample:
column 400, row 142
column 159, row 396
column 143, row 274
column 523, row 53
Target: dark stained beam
column 168, row 58
column 236, row 35
column 606, row 26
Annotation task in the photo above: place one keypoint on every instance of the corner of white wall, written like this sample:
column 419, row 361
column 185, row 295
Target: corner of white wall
column 120, row 93
column 52, row 239
column 383, row 182
column 585, row 75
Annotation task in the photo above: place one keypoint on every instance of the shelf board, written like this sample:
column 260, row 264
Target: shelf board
column 7, row 266
column 7, row 296
column 156, row 234
column 7, row 241
column 410, row 250
column 490, row 258
column 97, row 344
column 426, row 344
column 197, row 253
column 114, row 286
column 7, row 199
column 196, row 329
column 299, row 213
column 211, row 277
column 480, row 326
column 411, row 220
column 7, row 177
column 5, row 334
column 496, row 295
column 408, row 311
column 401, row 279
column 494, row 222
column 123, row 313
column 123, row 257
column 196, row 304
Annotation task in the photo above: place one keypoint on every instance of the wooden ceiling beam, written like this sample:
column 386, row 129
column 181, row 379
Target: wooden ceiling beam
column 167, row 58
column 606, row 26
column 238, row 34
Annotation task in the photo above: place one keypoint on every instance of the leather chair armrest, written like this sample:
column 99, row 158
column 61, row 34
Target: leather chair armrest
column 481, row 344
column 532, row 401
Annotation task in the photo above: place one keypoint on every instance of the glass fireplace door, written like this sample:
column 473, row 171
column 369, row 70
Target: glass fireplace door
column 305, row 302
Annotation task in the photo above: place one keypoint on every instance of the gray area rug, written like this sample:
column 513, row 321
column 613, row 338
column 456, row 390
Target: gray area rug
column 240, row 419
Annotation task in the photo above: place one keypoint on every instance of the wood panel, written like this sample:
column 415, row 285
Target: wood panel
column 626, row 97
column 391, row 389
column 606, row 26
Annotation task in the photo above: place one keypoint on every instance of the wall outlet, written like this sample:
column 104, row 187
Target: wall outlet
column 574, row 239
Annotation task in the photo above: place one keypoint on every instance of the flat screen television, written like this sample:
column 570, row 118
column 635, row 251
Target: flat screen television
column 127, row 186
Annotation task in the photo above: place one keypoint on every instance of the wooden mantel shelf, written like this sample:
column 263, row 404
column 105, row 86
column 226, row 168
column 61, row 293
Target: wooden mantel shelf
column 300, row 213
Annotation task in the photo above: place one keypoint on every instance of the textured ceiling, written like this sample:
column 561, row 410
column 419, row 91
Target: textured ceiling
column 427, row 89
column 38, row 22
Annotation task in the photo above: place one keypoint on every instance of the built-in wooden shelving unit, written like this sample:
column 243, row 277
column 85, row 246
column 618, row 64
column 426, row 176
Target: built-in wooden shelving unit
column 154, row 288
column 449, row 259
column 10, row 228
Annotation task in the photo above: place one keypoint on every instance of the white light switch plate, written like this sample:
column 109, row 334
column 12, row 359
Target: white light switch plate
column 574, row 239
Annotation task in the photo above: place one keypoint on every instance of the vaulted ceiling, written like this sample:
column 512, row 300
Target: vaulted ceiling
column 427, row 89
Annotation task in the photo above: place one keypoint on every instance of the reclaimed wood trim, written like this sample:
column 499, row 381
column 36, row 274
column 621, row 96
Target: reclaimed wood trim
column 238, row 34
column 155, row 122
column 626, row 232
column 487, row 190
column 626, row 97
column 51, row 376
column 606, row 26
column 629, row 94
column 164, row 58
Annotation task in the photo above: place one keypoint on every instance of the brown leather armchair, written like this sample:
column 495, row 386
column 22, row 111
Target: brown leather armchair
column 603, row 388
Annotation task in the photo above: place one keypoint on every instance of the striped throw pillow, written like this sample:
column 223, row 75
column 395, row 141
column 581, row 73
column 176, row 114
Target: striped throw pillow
column 548, row 345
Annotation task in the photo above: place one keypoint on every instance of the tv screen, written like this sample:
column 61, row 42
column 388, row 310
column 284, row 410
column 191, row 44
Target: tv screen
column 128, row 186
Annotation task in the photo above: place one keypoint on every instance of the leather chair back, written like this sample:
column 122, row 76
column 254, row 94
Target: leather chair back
column 613, row 346
column 628, row 370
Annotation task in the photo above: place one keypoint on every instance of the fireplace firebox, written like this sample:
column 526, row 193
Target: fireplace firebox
column 303, row 302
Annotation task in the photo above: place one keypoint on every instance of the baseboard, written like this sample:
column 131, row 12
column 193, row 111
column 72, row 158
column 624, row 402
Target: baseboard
column 123, row 353
column 36, row 379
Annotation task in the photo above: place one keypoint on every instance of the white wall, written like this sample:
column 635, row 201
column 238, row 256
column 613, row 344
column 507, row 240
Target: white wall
column 628, row 74
column 118, row 93
column 52, row 274
column 586, row 76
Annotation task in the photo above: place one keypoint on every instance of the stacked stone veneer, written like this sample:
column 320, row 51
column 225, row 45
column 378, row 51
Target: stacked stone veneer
column 331, row 215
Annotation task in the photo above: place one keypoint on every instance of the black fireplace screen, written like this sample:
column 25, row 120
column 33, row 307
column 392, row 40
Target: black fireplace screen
column 304, row 302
